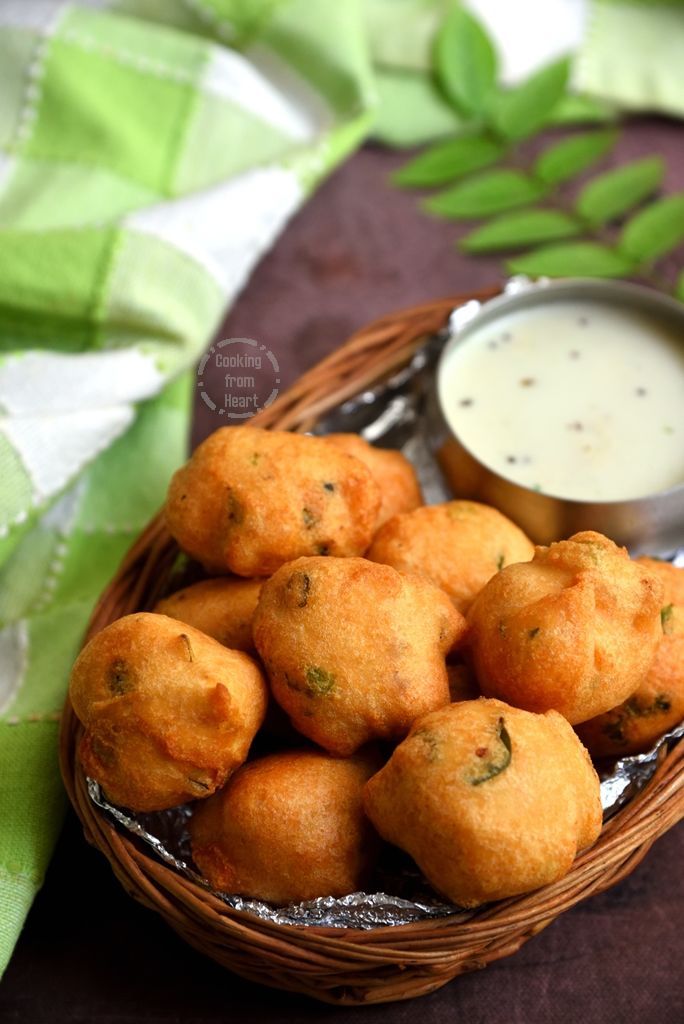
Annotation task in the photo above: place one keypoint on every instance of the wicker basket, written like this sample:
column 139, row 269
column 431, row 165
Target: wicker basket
column 347, row 966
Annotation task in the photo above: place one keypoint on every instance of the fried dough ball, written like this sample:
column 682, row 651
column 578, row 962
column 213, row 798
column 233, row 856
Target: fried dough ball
column 288, row 827
column 671, row 576
column 394, row 474
column 354, row 651
column 490, row 801
column 575, row 629
column 459, row 545
column 250, row 500
column 222, row 608
column 657, row 705
column 168, row 712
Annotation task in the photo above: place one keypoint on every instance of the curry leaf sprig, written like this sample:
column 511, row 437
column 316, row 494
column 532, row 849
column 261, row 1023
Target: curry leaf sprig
column 518, row 200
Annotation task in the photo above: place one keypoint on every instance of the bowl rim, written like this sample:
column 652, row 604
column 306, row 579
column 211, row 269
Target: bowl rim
column 520, row 294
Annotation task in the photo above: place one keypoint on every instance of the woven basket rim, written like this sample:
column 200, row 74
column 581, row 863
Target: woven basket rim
column 349, row 965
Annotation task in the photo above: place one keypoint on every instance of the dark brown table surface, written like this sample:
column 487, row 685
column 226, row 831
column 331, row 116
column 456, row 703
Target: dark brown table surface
column 88, row 953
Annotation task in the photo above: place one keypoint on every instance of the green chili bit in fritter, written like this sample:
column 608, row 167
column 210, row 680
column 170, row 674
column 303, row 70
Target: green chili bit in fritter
column 327, row 486
column 632, row 708
column 118, row 678
column 615, row 729
column 533, row 632
column 300, row 584
column 430, row 744
column 309, row 518
column 103, row 751
column 459, row 510
column 319, row 683
column 203, row 787
column 493, row 761
column 666, row 614
column 500, row 562
column 188, row 646
column 236, row 513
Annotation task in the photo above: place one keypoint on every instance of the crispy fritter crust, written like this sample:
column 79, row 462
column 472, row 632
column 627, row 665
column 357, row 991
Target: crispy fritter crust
column 354, row 651
column 222, row 608
column 250, row 500
column 656, row 706
column 394, row 474
column 671, row 576
column 288, row 827
column 168, row 712
column 490, row 801
column 575, row 629
column 459, row 545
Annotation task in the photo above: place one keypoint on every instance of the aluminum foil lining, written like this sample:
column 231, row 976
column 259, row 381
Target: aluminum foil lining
column 401, row 414
column 166, row 832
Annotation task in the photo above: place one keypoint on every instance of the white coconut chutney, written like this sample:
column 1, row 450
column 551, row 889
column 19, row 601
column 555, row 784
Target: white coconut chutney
column 581, row 400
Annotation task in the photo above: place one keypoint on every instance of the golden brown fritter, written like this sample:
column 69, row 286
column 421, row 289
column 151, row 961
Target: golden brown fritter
column 459, row 545
column 654, row 708
column 250, row 500
column 287, row 828
column 393, row 473
column 490, row 801
column 168, row 712
column 354, row 651
column 222, row 608
column 575, row 629
column 670, row 576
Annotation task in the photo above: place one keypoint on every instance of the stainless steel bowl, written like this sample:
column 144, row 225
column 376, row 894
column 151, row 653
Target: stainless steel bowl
column 653, row 523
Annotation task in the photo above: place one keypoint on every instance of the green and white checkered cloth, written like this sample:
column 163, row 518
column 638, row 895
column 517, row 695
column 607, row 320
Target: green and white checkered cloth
column 627, row 53
column 150, row 151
